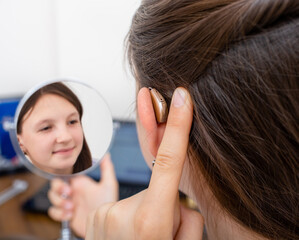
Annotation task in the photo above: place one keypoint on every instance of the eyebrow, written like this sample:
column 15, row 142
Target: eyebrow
column 50, row 120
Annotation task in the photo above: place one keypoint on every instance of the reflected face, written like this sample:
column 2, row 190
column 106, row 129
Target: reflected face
column 52, row 135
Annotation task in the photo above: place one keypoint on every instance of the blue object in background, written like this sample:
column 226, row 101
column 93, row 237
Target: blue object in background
column 129, row 164
column 7, row 111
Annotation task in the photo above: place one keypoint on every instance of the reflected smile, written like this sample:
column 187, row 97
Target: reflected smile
column 64, row 150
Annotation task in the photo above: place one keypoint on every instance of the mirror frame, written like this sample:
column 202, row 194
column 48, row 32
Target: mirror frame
column 15, row 142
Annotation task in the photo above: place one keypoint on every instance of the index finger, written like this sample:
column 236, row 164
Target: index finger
column 171, row 155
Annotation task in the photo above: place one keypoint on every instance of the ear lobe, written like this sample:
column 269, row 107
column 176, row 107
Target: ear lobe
column 154, row 131
column 20, row 140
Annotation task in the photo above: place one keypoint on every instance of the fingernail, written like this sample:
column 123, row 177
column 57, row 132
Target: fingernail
column 179, row 98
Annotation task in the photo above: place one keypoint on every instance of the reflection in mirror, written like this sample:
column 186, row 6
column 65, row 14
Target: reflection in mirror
column 62, row 127
column 50, row 132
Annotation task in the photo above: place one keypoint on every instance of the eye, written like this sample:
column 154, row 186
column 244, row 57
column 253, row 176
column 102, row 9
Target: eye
column 46, row 128
column 74, row 121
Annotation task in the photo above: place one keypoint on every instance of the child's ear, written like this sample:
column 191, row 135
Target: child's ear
column 154, row 131
column 20, row 140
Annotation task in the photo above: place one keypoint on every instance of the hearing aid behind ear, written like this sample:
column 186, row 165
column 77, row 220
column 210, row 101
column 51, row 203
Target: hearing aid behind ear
column 160, row 106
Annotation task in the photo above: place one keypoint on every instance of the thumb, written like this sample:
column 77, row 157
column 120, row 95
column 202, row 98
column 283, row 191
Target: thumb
column 192, row 224
column 107, row 170
column 171, row 155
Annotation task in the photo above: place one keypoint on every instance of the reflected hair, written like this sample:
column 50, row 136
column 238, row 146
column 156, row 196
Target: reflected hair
column 239, row 59
column 84, row 160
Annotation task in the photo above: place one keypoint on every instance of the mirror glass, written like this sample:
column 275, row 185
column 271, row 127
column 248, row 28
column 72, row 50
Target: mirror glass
column 62, row 128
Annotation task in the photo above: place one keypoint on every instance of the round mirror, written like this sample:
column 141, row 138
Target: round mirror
column 62, row 128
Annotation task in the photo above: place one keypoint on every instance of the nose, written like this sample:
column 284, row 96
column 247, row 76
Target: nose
column 63, row 135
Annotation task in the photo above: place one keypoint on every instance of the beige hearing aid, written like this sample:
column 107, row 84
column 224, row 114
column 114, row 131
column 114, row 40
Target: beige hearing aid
column 160, row 106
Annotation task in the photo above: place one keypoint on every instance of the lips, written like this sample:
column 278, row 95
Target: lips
column 63, row 150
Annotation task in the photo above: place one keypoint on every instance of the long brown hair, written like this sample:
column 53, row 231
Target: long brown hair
column 57, row 88
column 239, row 59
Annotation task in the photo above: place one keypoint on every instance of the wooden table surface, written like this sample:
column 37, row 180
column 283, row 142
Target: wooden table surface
column 16, row 223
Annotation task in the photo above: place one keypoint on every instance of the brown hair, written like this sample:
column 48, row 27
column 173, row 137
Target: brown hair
column 84, row 159
column 239, row 60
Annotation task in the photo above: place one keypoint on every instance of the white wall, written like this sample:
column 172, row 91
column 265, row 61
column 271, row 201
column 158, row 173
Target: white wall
column 81, row 39
column 27, row 44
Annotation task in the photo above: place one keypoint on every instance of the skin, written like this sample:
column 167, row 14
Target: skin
column 174, row 220
column 52, row 135
column 154, row 213
column 83, row 195
column 219, row 225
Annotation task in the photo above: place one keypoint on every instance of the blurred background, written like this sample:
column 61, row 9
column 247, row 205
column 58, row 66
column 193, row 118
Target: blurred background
column 81, row 39
column 78, row 39
column 55, row 39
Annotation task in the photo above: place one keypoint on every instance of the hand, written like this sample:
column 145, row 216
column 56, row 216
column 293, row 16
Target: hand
column 75, row 201
column 155, row 213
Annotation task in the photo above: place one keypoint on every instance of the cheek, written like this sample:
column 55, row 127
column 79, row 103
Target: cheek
column 78, row 135
column 39, row 148
column 37, row 143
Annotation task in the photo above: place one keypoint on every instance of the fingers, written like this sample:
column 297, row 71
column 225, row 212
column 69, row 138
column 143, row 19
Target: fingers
column 60, row 187
column 62, row 207
column 172, row 152
column 192, row 225
column 59, row 214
